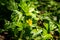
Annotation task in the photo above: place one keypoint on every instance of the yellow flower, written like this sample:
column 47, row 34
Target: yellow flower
column 29, row 21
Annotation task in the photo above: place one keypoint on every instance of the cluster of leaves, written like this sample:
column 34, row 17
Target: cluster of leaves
column 30, row 19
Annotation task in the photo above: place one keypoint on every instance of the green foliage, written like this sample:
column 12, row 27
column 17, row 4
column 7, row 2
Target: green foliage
column 30, row 19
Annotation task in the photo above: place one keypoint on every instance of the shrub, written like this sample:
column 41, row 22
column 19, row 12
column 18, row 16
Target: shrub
column 30, row 19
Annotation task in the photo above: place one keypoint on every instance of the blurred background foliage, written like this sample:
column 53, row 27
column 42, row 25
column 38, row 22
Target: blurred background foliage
column 30, row 19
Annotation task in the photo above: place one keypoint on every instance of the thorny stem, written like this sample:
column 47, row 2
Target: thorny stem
column 21, row 34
